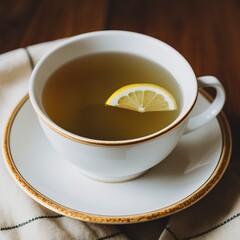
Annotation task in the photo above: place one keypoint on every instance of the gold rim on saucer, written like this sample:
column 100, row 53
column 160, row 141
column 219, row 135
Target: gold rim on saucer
column 163, row 212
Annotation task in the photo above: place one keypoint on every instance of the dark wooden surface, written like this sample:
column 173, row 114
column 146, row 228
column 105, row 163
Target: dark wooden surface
column 206, row 33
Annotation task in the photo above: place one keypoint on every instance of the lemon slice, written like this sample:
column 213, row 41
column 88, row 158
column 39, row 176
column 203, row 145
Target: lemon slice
column 142, row 97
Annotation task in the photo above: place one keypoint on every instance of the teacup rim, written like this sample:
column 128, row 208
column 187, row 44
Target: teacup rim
column 77, row 138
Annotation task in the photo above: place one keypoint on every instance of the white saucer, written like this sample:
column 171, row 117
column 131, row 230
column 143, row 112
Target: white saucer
column 189, row 173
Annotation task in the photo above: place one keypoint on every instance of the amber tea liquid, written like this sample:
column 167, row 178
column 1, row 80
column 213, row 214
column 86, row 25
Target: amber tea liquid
column 75, row 94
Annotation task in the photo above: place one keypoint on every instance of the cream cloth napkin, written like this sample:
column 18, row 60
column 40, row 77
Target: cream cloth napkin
column 215, row 217
column 21, row 218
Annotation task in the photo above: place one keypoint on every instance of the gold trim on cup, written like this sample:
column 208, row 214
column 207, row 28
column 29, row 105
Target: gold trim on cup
column 77, row 138
column 163, row 212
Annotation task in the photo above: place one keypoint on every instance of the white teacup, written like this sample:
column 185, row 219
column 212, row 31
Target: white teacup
column 115, row 161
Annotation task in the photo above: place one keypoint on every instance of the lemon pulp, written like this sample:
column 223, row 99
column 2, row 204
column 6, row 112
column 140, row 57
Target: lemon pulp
column 142, row 97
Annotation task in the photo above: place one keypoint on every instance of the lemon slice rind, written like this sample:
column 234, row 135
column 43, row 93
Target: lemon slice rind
column 142, row 97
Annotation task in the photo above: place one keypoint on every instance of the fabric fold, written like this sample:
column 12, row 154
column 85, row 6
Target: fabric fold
column 21, row 217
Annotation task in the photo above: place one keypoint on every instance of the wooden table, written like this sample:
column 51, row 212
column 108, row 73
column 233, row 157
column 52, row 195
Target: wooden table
column 206, row 33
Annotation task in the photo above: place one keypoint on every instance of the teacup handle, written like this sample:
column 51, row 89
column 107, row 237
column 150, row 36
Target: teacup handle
column 215, row 107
